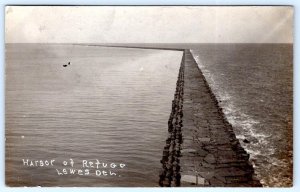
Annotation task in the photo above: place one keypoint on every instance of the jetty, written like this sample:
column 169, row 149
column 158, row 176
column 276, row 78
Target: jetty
column 201, row 149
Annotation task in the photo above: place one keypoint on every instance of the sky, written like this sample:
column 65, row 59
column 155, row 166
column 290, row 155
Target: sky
column 149, row 24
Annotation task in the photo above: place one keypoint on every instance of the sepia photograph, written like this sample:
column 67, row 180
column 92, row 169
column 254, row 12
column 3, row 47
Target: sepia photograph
column 149, row 96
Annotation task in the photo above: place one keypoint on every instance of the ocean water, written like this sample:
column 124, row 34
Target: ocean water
column 110, row 104
column 254, row 86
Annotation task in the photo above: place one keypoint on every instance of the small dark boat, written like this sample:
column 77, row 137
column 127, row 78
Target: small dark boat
column 65, row 65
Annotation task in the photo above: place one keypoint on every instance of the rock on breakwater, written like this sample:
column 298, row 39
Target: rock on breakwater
column 208, row 152
column 170, row 173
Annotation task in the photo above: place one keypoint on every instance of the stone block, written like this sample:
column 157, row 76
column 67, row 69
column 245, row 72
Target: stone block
column 210, row 158
column 207, row 174
column 193, row 179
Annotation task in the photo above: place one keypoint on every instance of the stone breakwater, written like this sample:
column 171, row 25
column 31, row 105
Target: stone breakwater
column 201, row 149
column 170, row 173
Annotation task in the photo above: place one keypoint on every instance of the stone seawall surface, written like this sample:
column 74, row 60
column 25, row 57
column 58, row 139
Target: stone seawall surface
column 201, row 149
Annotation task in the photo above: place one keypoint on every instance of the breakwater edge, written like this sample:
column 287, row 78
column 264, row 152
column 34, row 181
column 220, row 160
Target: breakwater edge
column 202, row 149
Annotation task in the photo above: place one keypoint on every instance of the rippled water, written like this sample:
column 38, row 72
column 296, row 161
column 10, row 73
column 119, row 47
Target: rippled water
column 254, row 84
column 113, row 104
column 110, row 104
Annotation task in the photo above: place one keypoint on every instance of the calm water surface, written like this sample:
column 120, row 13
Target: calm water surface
column 110, row 104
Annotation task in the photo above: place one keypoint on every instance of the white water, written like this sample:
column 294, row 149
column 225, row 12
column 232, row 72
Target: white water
column 231, row 93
